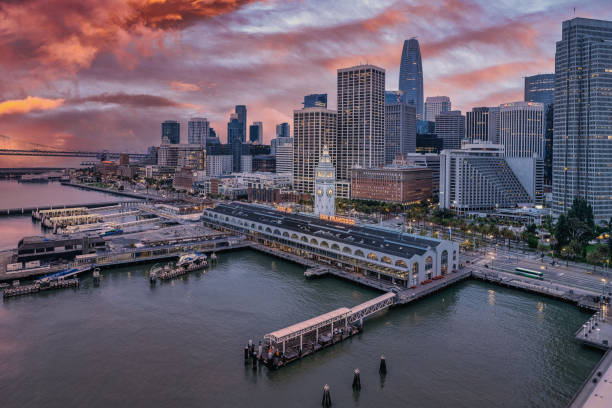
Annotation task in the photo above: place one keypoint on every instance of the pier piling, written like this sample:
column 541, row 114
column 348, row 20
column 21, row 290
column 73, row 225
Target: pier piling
column 246, row 353
column 356, row 381
column 326, row 401
column 383, row 365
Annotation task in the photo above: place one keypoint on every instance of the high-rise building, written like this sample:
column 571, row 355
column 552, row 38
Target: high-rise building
column 434, row 105
column 540, row 88
column 582, row 146
column 400, row 130
column 313, row 128
column 361, row 120
column 198, row 130
column 521, row 128
column 426, row 140
column 171, row 129
column 241, row 115
column 256, row 133
column 315, row 101
column 450, row 127
column 482, row 124
column 393, row 96
column 283, row 130
column 411, row 75
column 284, row 158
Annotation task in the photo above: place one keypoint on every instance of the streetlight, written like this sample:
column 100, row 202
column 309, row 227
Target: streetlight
column 603, row 288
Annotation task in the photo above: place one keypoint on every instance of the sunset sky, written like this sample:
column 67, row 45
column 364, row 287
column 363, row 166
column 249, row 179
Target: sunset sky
column 103, row 74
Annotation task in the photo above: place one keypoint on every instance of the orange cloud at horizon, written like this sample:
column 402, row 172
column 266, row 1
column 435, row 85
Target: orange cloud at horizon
column 29, row 104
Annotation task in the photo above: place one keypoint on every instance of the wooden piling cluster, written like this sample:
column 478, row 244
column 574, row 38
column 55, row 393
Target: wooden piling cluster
column 173, row 273
column 40, row 286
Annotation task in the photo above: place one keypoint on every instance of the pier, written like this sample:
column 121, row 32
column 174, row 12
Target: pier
column 30, row 210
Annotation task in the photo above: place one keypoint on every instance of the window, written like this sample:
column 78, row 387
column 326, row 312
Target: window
column 372, row 256
column 428, row 263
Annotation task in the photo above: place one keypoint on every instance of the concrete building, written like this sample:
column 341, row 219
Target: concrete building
column 284, row 158
column 482, row 125
column 582, row 143
column 450, row 127
column 403, row 259
column 361, row 120
column 478, row 177
column 400, row 130
column 522, row 128
column 241, row 115
column 246, row 163
column 283, row 130
column 427, row 160
column 325, row 185
column 315, row 101
column 182, row 155
column 313, row 128
column 198, row 129
column 218, row 165
column 397, row 184
column 435, row 105
column 411, row 76
column 171, row 129
column 264, row 163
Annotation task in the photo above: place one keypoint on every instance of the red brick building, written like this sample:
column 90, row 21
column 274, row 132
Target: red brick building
column 403, row 185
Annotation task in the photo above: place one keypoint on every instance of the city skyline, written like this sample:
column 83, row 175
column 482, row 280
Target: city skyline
column 96, row 81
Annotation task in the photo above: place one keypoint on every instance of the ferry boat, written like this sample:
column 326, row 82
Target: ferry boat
column 192, row 261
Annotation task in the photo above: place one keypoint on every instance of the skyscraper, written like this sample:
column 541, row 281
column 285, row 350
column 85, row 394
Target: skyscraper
column 540, row 88
column 198, row 130
column 284, row 158
column 434, row 105
column 481, row 124
column 315, row 101
column 411, row 75
column 521, row 128
column 582, row 146
column 241, row 114
column 283, row 130
column 256, row 132
column 235, row 138
column 450, row 127
column 171, row 130
column 393, row 96
column 361, row 120
column 313, row 128
column 400, row 130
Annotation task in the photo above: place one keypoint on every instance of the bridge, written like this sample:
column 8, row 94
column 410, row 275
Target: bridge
column 66, row 153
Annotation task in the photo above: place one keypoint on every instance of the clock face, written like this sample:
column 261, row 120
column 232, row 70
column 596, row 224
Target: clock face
column 320, row 192
column 329, row 192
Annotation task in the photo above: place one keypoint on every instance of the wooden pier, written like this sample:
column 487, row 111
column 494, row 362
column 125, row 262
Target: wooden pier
column 39, row 287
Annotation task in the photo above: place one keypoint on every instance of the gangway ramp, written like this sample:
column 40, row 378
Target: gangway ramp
column 360, row 312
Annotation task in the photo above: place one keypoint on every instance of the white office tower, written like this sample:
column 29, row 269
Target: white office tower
column 325, row 190
column 284, row 158
column 435, row 105
column 197, row 131
column 522, row 126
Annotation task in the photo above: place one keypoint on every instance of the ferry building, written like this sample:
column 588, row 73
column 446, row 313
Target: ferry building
column 403, row 259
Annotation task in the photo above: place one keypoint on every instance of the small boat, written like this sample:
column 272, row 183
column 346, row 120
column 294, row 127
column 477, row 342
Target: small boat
column 112, row 231
column 192, row 261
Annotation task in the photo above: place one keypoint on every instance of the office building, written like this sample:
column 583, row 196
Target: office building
column 396, row 184
column 393, row 97
column 481, row 124
column 198, row 130
column 427, row 160
column 171, row 130
column 219, row 164
column 241, row 115
column 313, row 128
column 256, row 133
column 264, row 163
column 315, row 101
column 479, row 177
column 450, row 127
column 411, row 75
column 361, row 120
column 283, row 130
column 400, row 130
column 284, row 158
column 522, row 128
column 434, row 105
column 540, row 88
column 427, row 141
column 582, row 143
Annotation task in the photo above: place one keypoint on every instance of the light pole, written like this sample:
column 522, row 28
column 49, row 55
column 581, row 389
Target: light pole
column 603, row 288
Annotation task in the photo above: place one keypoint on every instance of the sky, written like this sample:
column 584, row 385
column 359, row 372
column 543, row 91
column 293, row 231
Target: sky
column 103, row 74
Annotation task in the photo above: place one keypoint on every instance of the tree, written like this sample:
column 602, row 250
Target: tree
column 562, row 232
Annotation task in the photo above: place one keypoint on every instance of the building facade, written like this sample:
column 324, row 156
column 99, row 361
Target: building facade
column 400, row 130
column 481, row 124
column 283, row 130
column 284, row 158
column 241, row 115
column 434, row 105
column 427, row 160
column 361, row 119
column 198, row 129
column 411, row 75
column 582, row 143
column 315, row 101
column 450, row 127
column 171, row 130
column 397, row 184
column 325, row 186
column 256, row 133
column 313, row 128
column 522, row 128
column 540, row 88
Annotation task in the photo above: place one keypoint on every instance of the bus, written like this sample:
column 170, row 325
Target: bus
column 528, row 273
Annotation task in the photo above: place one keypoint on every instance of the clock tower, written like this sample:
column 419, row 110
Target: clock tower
column 325, row 185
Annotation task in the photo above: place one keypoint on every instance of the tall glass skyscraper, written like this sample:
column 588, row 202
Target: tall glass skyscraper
column 241, row 113
column 582, row 142
column 315, row 101
column 171, row 129
column 540, row 88
column 411, row 75
column 197, row 131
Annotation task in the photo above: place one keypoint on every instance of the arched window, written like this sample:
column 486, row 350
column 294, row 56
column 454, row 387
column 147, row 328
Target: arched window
column 314, row 241
column 347, row 250
column 401, row 263
column 253, row 225
column 324, row 244
column 415, row 268
column 268, row 229
column 294, row 236
column 259, row 227
column 277, row 232
column 335, row 247
column 372, row 256
column 428, row 263
column 360, row 253
column 285, row 234
column 304, row 238
column 444, row 262
column 386, row 259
